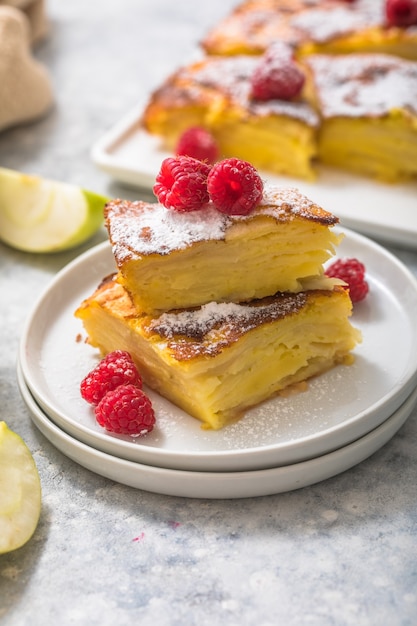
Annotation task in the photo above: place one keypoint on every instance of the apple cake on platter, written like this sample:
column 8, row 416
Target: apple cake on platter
column 311, row 26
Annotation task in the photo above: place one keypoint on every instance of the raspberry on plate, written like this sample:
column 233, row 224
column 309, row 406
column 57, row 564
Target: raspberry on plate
column 234, row 187
column 199, row 143
column 401, row 12
column 117, row 368
column 181, row 183
column 277, row 76
column 352, row 272
column 126, row 410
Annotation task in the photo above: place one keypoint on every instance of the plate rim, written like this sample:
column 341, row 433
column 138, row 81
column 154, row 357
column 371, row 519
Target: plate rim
column 233, row 485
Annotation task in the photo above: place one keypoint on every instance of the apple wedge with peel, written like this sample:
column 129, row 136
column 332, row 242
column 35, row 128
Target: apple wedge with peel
column 20, row 491
column 42, row 215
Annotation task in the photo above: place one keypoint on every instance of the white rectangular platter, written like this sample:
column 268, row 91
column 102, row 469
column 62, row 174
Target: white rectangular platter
column 381, row 211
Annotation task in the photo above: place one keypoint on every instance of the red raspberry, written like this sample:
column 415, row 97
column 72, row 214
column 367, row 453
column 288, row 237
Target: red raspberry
column 117, row 368
column 182, row 183
column 277, row 75
column 126, row 410
column 401, row 12
column 234, row 187
column 352, row 272
column 199, row 143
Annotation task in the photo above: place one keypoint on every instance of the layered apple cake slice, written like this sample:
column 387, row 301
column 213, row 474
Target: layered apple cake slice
column 168, row 259
column 221, row 311
column 218, row 360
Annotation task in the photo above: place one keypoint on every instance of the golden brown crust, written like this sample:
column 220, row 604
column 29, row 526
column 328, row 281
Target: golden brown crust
column 203, row 332
column 206, row 331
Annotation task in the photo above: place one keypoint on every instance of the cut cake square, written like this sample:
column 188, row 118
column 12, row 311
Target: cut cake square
column 368, row 105
column 215, row 92
column 168, row 259
column 218, row 360
column 310, row 26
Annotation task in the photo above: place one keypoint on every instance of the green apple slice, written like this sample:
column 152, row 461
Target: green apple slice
column 41, row 215
column 20, row 491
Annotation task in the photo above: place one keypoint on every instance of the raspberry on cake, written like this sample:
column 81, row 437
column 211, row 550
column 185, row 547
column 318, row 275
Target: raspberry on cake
column 234, row 187
column 216, row 92
column 168, row 259
column 368, row 104
column 181, row 183
column 277, row 75
column 218, row 360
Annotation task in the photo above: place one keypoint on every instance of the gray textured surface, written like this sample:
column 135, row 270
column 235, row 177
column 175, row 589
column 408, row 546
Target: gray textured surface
column 342, row 552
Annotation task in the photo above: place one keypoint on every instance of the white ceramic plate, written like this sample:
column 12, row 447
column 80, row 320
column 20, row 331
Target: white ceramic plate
column 382, row 211
column 338, row 408
column 217, row 484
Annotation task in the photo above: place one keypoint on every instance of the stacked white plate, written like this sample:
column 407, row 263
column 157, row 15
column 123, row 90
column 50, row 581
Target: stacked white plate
column 283, row 444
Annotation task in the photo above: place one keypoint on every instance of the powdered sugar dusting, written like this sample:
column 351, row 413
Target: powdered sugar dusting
column 283, row 203
column 139, row 229
column 196, row 323
column 279, row 421
column 275, row 197
column 321, row 25
column 364, row 85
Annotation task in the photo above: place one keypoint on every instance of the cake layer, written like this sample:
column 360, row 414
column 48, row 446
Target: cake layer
column 368, row 105
column 217, row 361
column 310, row 26
column 215, row 93
column 168, row 259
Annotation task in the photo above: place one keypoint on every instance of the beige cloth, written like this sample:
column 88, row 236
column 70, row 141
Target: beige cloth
column 36, row 14
column 25, row 87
